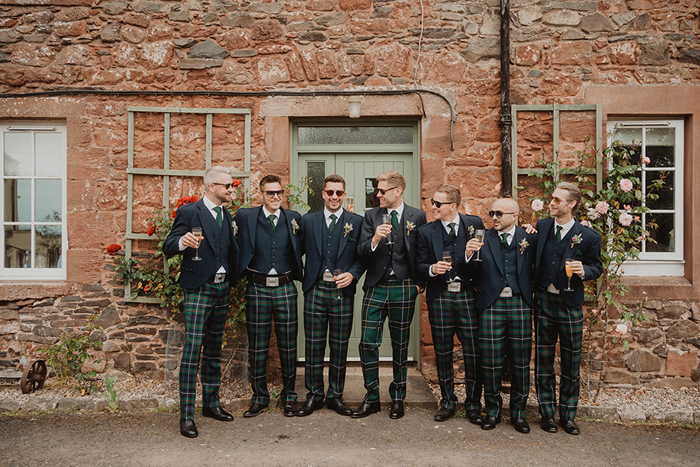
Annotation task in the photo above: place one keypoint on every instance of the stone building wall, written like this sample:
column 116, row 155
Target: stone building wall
column 561, row 52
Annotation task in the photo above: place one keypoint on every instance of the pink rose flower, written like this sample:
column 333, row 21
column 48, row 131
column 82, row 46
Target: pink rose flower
column 537, row 204
column 628, row 207
column 602, row 207
column 621, row 329
column 646, row 160
column 586, row 223
column 625, row 185
column 625, row 219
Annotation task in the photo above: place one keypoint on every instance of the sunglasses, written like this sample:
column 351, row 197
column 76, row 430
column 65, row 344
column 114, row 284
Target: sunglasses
column 338, row 193
column 225, row 185
column 439, row 204
column 498, row 214
column 383, row 192
column 272, row 193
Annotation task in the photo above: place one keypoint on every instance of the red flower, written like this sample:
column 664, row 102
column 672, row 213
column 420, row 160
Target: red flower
column 113, row 249
column 236, row 183
column 151, row 230
column 147, row 288
column 174, row 213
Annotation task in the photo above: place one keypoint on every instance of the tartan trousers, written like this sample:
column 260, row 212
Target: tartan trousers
column 263, row 304
column 397, row 301
column 453, row 313
column 511, row 319
column 204, row 311
column 556, row 319
column 326, row 316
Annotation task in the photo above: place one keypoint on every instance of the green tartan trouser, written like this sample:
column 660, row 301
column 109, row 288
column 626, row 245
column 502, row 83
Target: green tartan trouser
column 453, row 313
column 397, row 301
column 556, row 319
column 263, row 304
column 204, row 311
column 511, row 319
column 326, row 316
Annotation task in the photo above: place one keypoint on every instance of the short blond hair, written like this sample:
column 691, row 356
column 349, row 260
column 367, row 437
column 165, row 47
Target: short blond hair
column 393, row 178
column 452, row 192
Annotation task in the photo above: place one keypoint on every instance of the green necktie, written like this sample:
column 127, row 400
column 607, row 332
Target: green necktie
column 453, row 234
column 395, row 219
column 272, row 218
column 219, row 218
column 504, row 239
column 332, row 225
column 558, row 236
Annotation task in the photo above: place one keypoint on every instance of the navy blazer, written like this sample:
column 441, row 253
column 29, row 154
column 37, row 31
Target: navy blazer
column 312, row 227
column 587, row 251
column 193, row 274
column 430, row 247
column 247, row 222
column 490, row 274
column 378, row 260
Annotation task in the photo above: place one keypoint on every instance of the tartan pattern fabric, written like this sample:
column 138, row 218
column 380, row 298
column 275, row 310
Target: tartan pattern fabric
column 506, row 319
column 205, row 317
column 263, row 305
column 453, row 313
column 395, row 300
column 326, row 317
column 556, row 319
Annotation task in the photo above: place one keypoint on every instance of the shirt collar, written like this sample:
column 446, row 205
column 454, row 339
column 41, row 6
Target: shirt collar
column 267, row 213
column 446, row 224
column 564, row 227
column 327, row 213
column 209, row 203
column 399, row 210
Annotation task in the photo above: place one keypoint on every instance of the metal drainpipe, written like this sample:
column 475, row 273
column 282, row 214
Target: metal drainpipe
column 506, row 121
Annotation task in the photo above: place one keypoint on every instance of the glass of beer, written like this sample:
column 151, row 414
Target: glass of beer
column 479, row 235
column 197, row 232
column 350, row 203
column 569, row 273
column 447, row 258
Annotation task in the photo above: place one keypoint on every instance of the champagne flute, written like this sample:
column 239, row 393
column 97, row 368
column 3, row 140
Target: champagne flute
column 569, row 273
column 350, row 203
column 447, row 258
column 479, row 235
column 386, row 220
column 197, row 232
column 336, row 273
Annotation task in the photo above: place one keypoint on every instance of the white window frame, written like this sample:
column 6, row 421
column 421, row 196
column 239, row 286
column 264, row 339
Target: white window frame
column 659, row 263
column 34, row 273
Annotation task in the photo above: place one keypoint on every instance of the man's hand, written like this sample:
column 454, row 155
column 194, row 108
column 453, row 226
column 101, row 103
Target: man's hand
column 529, row 229
column 343, row 280
column 577, row 268
column 441, row 267
column 382, row 231
column 473, row 246
column 189, row 240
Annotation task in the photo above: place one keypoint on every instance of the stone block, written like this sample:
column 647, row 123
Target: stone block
column 133, row 34
column 679, row 363
column 577, row 6
column 109, row 317
column 669, row 311
column 643, row 361
column 208, row 50
column 690, row 55
column 266, row 30
column 111, row 346
column 632, row 415
column 114, row 8
column 596, row 22
column 68, row 403
column 528, row 15
column 528, row 55
column 572, row 35
column 40, row 404
column 620, row 377
column 8, row 36
column 680, row 416
column 623, row 18
column 6, row 315
column 9, row 405
column 480, row 49
column 642, row 22
column 141, row 366
column 312, row 36
column 199, row 63
column 599, row 413
column 684, row 329
column 561, row 18
column 122, row 361
column 697, row 417
column 238, row 20
column 149, row 8
column 334, row 19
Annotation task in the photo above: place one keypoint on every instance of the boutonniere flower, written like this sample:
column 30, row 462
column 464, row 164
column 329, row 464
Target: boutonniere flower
column 295, row 226
column 235, row 228
column 523, row 246
column 575, row 240
column 410, row 227
column 347, row 228
column 470, row 229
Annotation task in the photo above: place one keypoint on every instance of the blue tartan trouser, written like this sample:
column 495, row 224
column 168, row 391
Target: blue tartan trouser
column 205, row 311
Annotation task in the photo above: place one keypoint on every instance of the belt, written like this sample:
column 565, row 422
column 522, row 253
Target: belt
column 269, row 281
column 456, row 286
column 551, row 289
column 218, row 278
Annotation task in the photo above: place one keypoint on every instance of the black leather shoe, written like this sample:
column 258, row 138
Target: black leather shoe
column 308, row 408
column 255, row 409
column 520, row 425
column 367, row 408
column 489, row 422
column 570, row 427
column 444, row 414
column 339, row 406
column 188, row 428
column 549, row 425
column 474, row 416
column 217, row 413
column 396, row 410
column 290, row 408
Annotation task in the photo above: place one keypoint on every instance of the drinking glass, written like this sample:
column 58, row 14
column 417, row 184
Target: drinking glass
column 350, row 203
column 336, row 273
column 386, row 220
column 197, row 232
column 479, row 235
column 447, row 257
column 569, row 273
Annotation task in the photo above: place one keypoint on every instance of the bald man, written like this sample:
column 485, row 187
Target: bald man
column 504, row 296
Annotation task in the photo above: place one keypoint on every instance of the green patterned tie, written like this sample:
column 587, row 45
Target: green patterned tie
column 558, row 236
column 395, row 219
column 332, row 225
column 272, row 218
column 504, row 239
column 453, row 234
column 219, row 218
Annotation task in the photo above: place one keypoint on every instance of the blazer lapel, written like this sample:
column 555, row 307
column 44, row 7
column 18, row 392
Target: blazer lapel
column 318, row 232
column 343, row 237
column 519, row 235
column 494, row 244
column 437, row 240
column 252, row 225
column 210, row 229
column 543, row 236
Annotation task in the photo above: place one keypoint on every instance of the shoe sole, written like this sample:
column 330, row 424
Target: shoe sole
column 251, row 415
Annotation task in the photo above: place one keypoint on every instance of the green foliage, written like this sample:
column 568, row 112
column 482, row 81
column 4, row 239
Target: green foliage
column 111, row 393
column 295, row 197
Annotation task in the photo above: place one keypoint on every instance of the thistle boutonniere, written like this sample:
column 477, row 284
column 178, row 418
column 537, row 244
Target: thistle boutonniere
column 575, row 240
column 235, row 228
column 470, row 229
column 347, row 228
column 295, row 226
column 523, row 246
column 410, row 227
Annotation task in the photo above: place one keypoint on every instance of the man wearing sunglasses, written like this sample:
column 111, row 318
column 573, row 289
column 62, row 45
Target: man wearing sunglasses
column 450, row 298
column 559, row 313
column 504, row 297
column 391, row 288
column 270, row 243
column 330, row 242
column 207, row 285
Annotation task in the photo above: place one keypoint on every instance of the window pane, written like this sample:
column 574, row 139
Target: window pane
column 18, row 154
column 18, row 198
column 316, row 171
column 48, row 154
column 17, row 242
column 48, row 246
column 660, row 146
column 371, row 200
column 48, row 201
column 631, row 139
column 666, row 192
column 664, row 234
column 356, row 135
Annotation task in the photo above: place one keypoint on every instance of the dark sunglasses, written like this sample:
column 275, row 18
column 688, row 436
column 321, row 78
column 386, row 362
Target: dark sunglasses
column 225, row 185
column 272, row 194
column 338, row 193
column 383, row 192
column 498, row 214
column 439, row 204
